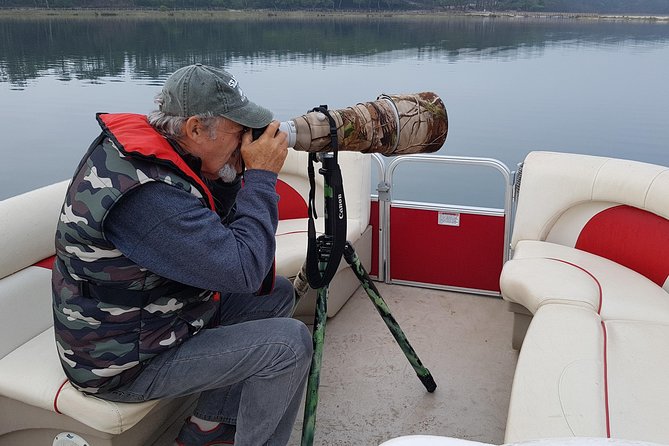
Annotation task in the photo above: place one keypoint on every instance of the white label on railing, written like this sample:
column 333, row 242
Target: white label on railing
column 449, row 218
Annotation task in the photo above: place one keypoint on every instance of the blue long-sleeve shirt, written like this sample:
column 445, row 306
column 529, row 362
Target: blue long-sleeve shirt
column 169, row 232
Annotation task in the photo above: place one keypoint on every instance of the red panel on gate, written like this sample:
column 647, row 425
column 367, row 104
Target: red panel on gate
column 469, row 255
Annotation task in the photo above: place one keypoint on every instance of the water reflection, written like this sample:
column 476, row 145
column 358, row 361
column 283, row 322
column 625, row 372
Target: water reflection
column 93, row 49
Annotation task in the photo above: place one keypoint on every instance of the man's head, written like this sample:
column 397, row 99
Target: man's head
column 199, row 89
column 206, row 111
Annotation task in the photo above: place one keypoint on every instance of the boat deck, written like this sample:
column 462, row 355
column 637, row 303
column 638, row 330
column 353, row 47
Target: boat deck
column 369, row 393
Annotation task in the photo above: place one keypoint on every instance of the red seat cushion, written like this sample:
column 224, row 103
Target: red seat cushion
column 629, row 236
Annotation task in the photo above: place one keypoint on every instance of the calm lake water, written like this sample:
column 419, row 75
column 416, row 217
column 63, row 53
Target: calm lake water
column 510, row 85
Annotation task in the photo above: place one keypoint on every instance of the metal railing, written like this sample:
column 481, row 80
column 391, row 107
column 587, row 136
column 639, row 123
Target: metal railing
column 386, row 176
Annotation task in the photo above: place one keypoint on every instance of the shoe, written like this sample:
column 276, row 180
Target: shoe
column 192, row 435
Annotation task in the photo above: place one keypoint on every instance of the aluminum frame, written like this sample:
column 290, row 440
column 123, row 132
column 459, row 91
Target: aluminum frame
column 384, row 196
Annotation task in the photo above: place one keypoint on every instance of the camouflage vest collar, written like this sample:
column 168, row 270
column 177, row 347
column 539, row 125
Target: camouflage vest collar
column 133, row 135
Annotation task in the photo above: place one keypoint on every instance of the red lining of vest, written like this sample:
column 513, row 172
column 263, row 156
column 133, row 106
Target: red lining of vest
column 55, row 398
column 136, row 136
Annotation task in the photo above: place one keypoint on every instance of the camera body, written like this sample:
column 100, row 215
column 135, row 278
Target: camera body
column 287, row 127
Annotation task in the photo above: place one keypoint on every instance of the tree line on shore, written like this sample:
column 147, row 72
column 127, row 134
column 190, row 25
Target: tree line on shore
column 569, row 6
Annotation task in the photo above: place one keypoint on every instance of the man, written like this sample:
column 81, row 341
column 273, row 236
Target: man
column 162, row 285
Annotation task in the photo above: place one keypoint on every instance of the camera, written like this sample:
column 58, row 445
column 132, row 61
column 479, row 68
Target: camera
column 390, row 125
column 287, row 127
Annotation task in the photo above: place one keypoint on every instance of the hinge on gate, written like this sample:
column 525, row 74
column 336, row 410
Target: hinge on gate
column 383, row 190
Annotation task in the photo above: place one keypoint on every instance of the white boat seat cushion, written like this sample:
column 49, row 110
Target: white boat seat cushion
column 543, row 272
column 25, row 298
column 28, row 225
column 32, row 374
column 578, row 375
column 553, row 182
column 291, row 242
column 558, row 385
column 590, row 240
column 356, row 175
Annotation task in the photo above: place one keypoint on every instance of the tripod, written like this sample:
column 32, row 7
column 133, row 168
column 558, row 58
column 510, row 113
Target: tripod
column 326, row 253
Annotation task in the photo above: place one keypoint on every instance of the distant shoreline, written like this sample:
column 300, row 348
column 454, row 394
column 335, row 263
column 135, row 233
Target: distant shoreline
column 275, row 14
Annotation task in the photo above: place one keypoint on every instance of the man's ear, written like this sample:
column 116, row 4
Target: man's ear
column 193, row 128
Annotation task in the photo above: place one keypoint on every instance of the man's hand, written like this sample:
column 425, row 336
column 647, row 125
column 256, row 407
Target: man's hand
column 267, row 152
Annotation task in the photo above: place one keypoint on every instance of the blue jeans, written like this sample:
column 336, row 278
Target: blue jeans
column 250, row 370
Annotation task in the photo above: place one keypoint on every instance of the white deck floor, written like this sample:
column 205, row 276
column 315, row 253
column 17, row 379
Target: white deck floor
column 369, row 393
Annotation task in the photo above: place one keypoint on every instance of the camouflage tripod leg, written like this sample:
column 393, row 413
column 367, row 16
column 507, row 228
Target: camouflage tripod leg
column 309, row 423
column 381, row 306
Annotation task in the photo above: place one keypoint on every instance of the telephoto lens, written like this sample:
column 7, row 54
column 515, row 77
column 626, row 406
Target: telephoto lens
column 391, row 125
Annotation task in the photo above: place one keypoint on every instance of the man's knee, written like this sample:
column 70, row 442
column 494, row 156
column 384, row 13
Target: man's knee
column 294, row 340
column 302, row 340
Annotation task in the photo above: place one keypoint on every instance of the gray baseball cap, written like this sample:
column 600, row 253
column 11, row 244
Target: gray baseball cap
column 198, row 89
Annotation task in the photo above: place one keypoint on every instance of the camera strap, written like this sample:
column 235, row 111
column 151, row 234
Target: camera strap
column 329, row 247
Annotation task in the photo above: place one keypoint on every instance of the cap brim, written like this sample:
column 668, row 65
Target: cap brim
column 250, row 115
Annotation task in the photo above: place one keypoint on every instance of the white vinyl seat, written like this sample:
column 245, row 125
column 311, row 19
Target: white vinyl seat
column 589, row 282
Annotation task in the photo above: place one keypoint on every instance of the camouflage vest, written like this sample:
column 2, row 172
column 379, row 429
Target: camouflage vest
column 110, row 314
